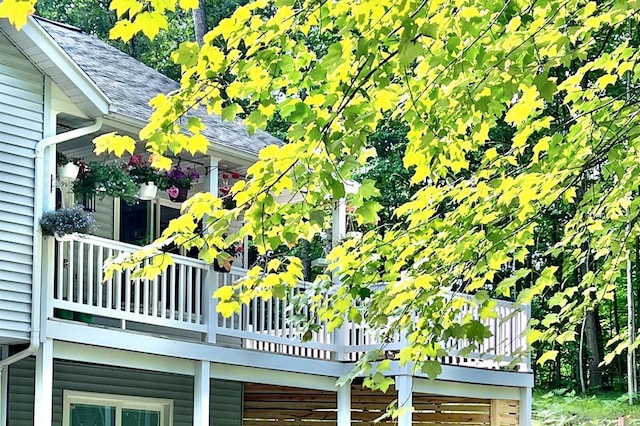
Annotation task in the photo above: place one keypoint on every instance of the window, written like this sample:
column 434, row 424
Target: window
column 96, row 409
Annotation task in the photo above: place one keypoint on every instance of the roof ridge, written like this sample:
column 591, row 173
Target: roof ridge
column 60, row 24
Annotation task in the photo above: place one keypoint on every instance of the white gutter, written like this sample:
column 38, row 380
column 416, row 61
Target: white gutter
column 38, row 207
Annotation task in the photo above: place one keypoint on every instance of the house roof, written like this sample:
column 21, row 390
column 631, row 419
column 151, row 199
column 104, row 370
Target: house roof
column 129, row 85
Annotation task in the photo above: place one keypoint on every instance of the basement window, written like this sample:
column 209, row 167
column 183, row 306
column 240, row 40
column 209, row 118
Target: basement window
column 97, row 409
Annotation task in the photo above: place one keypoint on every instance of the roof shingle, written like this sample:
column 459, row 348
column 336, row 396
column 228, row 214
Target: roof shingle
column 130, row 84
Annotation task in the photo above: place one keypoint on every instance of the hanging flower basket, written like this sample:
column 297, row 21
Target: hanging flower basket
column 67, row 221
column 178, row 181
column 68, row 172
column 147, row 191
column 177, row 194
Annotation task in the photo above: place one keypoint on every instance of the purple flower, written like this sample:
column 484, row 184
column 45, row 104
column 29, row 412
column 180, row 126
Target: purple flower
column 176, row 173
column 194, row 175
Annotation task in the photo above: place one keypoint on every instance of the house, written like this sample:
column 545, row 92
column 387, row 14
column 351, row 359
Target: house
column 155, row 352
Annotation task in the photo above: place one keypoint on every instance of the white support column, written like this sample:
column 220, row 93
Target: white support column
column 525, row 406
column 344, row 405
column 43, row 401
column 201, row 391
column 211, row 183
column 339, row 227
column 210, row 314
column 211, row 277
column 404, row 387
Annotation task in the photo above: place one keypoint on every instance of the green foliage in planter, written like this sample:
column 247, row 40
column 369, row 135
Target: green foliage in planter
column 105, row 179
column 67, row 221
column 141, row 171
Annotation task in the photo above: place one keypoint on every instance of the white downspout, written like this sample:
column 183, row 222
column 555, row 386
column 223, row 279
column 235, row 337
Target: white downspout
column 39, row 194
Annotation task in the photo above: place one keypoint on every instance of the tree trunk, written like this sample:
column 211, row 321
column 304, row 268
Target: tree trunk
column 616, row 325
column 557, row 373
column 593, row 349
column 637, row 282
column 200, row 22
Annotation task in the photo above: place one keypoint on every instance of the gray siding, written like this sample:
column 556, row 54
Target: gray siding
column 226, row 397
column 225, row 407
column 104, row 216
column 21, row 127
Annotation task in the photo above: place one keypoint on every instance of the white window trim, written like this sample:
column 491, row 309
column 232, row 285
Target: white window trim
column 164, row 406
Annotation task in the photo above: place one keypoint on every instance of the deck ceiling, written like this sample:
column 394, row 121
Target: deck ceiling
column 266, row 405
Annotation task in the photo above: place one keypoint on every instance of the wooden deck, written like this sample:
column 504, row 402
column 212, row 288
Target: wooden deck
column 266, row 405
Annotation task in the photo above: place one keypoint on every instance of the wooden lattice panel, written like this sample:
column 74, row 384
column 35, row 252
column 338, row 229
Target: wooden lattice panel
column 266, row 405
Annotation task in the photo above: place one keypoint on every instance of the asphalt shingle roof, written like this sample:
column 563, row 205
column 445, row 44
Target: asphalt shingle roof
column 130, row 84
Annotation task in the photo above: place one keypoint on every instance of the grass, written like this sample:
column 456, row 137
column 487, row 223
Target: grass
column 561, row 408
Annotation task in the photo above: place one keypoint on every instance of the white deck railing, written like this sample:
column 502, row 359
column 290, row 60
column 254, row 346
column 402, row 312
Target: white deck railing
column 173, row 299
column 180, row 298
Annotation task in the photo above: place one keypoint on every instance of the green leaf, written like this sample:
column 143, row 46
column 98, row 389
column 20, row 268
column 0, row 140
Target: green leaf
column 431, row 368
column 547, row 356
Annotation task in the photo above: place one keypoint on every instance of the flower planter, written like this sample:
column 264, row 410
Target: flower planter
column 147, row 191
column 225, row 267
column 68, row 172
column 180, row 196
column 64, row 237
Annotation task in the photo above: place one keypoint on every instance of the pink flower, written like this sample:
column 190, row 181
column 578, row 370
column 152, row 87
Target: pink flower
column 224, row 190
column 173, row 191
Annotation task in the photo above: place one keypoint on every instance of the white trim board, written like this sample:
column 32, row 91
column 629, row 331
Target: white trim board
column 178, row 355
column 465, row 390
column 121, row 358
column 129, row 341
column 128, row 359
column 271, row 377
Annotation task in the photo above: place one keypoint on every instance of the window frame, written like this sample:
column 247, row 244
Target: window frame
column 120, row 402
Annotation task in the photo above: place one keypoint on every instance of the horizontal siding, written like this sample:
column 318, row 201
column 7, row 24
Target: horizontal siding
column 225, row 401
column 21, row 127
column 104, row 216
column 225, row 407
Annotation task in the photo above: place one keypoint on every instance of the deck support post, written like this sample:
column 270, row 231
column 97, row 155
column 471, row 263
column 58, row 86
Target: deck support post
column 210, row 314
column 201, row 391
column 493, row 413
column 43, row 400
column 525, row 406
column 4, row 387
column 48, row 272
column 211, row 278
column 404, row 387
column 338, row 230
column 344, row 405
